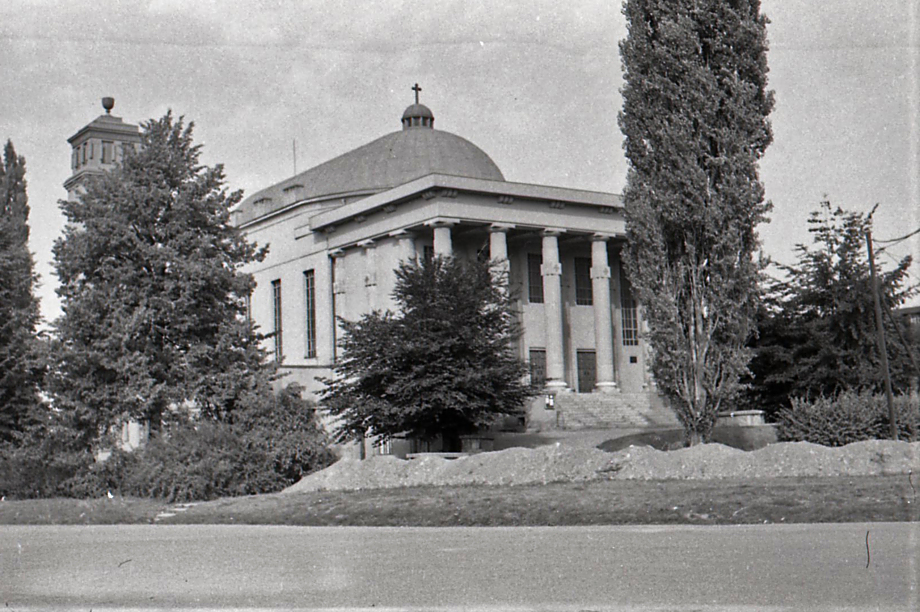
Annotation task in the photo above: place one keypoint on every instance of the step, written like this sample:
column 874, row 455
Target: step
column 621, row 410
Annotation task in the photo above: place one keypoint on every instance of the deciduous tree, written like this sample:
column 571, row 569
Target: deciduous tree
column 152, row 291
column 444, row 365
column 695, row 121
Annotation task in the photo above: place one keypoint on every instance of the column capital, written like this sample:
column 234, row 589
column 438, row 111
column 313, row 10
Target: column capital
column 552, row 232
column 440, row 222
column 334, row 253
column 600, row 237
column 401, row 233
column 501, row 227
column 370, row 243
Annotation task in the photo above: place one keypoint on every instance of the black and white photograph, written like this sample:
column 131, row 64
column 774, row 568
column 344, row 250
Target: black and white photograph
column 515, row 306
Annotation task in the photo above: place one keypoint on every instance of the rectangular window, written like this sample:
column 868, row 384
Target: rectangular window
column 276, row 319
column 309, row 284
column 534, row 278
column 584, row 295
column 537, row 368
column 428, row 253
column 628, row 312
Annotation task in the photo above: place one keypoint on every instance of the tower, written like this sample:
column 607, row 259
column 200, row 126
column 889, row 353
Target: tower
column 98, row 146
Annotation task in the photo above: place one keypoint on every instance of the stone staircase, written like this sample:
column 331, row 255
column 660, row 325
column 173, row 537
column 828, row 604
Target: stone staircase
column 613, row 410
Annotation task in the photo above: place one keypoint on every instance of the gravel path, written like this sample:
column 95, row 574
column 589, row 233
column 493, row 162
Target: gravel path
column 555, row 463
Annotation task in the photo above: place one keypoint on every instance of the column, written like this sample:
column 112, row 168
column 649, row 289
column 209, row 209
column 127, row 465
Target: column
column 405, row 244
column 552, row 308
column 603, row 327
column 370, row 272
column 326, row 351
column 337, row 276
column 442, row 243
column 498, row 250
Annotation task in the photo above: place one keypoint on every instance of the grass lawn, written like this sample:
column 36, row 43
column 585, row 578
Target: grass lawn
column 780, row 500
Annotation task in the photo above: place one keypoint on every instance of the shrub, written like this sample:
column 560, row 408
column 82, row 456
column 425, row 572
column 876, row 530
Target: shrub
column 845, row 418
column 195, row 462
column 273, row 442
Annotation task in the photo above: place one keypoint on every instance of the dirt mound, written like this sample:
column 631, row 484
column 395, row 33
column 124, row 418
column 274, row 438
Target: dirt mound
column 518, row 466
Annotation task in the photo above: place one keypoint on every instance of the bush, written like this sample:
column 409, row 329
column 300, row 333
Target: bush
column 195, row 462
column 845, row 418
column 48, row 459
column 271, row 444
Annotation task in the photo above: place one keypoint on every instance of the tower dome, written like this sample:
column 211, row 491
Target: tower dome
column 417, row 115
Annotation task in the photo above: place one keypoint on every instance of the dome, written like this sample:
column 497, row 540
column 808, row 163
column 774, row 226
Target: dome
column 418, row 110
column 418, row 115
column 392, row 160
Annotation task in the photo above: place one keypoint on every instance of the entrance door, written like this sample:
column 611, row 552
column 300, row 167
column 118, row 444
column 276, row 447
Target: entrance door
column 587, row 371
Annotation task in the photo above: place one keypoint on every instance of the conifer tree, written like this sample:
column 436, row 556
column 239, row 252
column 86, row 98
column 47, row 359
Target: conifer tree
column 695, row 121
column 19, row 315
column 817, row 333
column 152, row 293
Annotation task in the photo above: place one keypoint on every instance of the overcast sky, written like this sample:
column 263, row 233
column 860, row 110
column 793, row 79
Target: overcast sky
column 535, row 84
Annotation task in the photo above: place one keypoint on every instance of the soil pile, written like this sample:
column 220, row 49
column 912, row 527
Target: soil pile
column 556, row 463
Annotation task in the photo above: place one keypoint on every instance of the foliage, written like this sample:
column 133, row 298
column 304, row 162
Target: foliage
column 817, row 327
column 48, row 457
column 20, row 366
column 271, row 444
column 848, row 417
column 444, row 365
column 268, row 448
column 287, row 430
column 152, row 291
column 695, row 121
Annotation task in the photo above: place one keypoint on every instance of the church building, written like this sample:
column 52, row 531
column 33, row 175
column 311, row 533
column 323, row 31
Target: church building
column 337, row 231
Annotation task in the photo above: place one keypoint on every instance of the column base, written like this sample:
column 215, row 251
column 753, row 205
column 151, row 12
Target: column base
column 555, row 386
column 606, row 387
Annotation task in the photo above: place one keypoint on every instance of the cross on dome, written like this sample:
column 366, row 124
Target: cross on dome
column 416, row 89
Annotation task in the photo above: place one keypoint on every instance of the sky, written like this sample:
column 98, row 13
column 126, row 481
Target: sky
column 534, row 83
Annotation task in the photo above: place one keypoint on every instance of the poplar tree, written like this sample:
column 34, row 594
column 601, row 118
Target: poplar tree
column 19, row 315
column 153, row 296
column 695, row 121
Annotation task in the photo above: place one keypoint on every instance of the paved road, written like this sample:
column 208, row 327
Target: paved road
column 584, row 568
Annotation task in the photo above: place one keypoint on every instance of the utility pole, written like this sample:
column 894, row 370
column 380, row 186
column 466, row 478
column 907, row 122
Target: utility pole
column 882, row 346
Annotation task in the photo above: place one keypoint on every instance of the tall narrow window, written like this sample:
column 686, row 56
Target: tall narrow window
column 534, row 278
column 428, row 253
column 249, row 308
column 584, row 295
column 276, row 319
column 309, row 284
column 629, row 312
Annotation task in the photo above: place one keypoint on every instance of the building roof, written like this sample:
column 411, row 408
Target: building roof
column 390, row 161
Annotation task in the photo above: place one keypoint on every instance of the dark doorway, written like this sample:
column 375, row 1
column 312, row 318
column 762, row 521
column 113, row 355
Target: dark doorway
column 587, row 371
